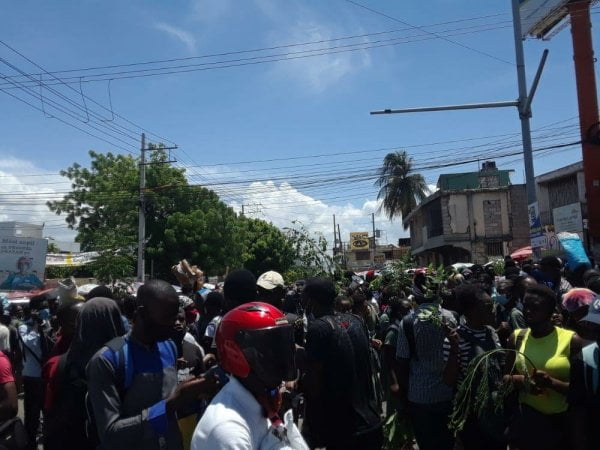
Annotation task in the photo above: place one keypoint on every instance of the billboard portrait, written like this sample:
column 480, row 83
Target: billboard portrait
column 22, row 263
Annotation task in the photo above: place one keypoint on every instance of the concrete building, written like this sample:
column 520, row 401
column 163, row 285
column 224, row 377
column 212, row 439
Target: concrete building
column 359, row 260
column 21, row 230
column 472, row 217
column 563, row 206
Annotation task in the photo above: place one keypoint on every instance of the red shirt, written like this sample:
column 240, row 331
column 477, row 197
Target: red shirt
column 6, row 372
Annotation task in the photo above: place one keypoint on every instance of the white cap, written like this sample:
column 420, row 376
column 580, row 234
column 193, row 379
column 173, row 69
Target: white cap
column 270, row 280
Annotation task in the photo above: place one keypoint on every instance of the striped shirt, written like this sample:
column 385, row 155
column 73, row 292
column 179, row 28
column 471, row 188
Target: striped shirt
column 464, row 346
column 425, row 382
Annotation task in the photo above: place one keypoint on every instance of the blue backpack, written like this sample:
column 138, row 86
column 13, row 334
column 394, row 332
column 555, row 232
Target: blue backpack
column 124, row 378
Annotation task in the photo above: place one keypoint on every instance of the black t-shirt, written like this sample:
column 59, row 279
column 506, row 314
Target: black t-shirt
column 347, row 406
column 581, row 395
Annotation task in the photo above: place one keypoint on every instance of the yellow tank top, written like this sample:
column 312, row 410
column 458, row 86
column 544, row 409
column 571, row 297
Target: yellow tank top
column 550, row 354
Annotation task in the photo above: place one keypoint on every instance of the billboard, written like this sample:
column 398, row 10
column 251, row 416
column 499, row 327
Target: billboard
column 359, row 240
column 535, row 226
column 568, row 218
column 22, row 263
column 539, row 17
column 71, row 259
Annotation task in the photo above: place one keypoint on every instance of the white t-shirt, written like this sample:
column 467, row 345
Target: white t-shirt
column 233, row 421
column 31, row 343
column 4, row 338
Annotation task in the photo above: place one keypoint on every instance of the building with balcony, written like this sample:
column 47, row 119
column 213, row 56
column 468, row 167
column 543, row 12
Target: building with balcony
column 472, row 217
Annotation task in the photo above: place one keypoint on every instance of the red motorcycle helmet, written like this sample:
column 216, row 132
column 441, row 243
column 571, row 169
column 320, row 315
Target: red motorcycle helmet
column 257, row 338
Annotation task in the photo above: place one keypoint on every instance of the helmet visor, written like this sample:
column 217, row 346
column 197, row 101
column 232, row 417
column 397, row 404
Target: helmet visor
column 270, row 353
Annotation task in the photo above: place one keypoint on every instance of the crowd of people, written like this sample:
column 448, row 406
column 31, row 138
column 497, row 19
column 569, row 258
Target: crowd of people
column 338, row 363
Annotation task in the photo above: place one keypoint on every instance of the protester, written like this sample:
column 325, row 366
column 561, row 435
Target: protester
column 271, row 288
column 98, row 322
column 256, row 345
column 397, row 309
column 35, row 352
column 139, row 410
column 343, row 304
column 539, row 422
column 584, row 391
column 421, row 366
column 576, row 303
column 341, row 405
column 14, row 351
column 211, row 307
column 550, row 274
column 239, row 288
column 464, row 344
column 9, row 406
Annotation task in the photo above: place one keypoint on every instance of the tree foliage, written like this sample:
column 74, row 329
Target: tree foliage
column 312, row 259
column 182, row 221
column 399, row 187
column 264, row 247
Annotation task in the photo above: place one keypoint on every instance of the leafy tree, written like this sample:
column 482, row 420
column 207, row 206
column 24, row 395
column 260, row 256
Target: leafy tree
column 182, row 221
column 312, row 259
column 53, row 248
column 205, row 236
column 399, row 187
column 264, row 247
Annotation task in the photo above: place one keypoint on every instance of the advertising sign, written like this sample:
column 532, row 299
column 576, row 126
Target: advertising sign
column 568, row 218
column 22, row 263
column 70, row 259
column 359, row 240
column 539, row 17
column 535, row 226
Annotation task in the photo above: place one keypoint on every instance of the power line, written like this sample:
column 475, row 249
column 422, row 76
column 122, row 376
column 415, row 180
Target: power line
column 84, row 96
column 252, row 61
column 374, row 11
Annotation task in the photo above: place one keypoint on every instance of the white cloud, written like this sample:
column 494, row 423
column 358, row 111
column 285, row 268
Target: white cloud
column 321, row 72
column 185, row 37
column 283, row 204
column 22, row 197
column 292, row 23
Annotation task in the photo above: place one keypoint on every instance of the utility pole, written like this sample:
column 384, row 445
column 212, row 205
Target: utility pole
column 334, row 237
column 141, row 266
column 374, row 241
column 581, row 33
column 243, row 209
column 342, row 249
column 523, row 105
column 142, row 214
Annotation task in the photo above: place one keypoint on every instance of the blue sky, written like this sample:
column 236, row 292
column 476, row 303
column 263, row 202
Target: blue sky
column 285, row 109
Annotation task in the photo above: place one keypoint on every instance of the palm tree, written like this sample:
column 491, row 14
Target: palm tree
column 399, row 188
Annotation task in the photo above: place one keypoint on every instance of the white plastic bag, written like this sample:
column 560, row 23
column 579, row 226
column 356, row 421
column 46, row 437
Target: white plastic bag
column 285, row 437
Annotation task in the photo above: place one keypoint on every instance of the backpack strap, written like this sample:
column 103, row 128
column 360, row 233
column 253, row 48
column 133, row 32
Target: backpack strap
column 124, row 368
column 591, row 365
column 408, row 326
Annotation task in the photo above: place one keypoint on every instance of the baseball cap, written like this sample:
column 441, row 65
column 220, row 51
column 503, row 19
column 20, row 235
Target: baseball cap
column 270, row 280
column 593, row 314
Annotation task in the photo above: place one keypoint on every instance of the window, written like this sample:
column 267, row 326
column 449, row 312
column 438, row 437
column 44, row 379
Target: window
column 494, row 249
column 435, row 226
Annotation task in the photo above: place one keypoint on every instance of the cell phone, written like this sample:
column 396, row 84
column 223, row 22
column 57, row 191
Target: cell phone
column 218, row 373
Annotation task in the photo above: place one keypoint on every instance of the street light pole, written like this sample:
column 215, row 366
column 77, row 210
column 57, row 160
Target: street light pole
column 524, row 114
